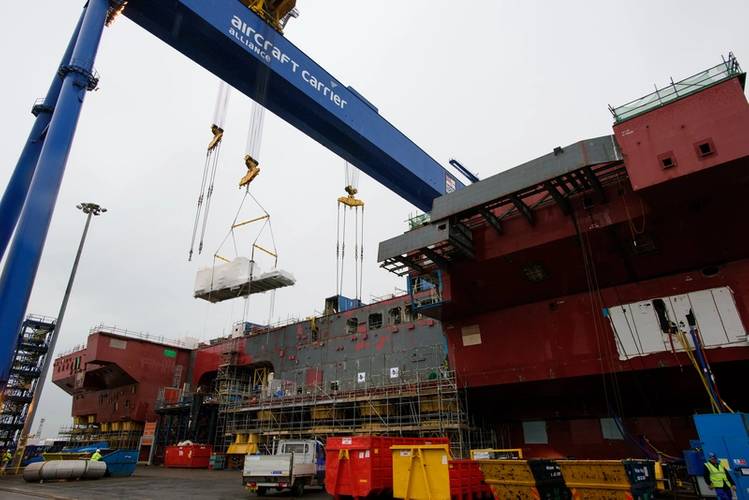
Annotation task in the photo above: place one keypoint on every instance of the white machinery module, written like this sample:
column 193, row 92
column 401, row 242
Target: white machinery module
column 238, row 278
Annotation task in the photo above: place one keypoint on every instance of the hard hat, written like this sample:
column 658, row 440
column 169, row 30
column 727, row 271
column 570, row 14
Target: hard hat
column 97, row 450
column 712, row 455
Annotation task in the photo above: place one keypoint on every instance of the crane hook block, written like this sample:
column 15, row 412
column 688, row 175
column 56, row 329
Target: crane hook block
column 351, row 201
column 218, row 134
column 253, row 170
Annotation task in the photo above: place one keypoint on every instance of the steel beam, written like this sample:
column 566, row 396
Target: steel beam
column 438, row 260
column 524, row 209
column 21, row 266
column 559, row 198
column 535, row 172
column 18, row 185
column 492, row 220
column 595, row 183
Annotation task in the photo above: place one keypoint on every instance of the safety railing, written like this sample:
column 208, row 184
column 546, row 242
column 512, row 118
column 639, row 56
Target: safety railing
column 729, row 68
column 157, row 339
column 71, row 350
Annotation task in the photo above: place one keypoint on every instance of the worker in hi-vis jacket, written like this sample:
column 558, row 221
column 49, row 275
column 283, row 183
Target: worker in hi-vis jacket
column 718, row 479
column 96, row 456
column 7, row 458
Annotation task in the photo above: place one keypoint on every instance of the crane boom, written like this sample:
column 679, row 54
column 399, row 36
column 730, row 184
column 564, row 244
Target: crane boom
column 230, row 40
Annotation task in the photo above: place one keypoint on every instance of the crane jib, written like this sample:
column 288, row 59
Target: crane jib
column 240, row 48
column 267, row 51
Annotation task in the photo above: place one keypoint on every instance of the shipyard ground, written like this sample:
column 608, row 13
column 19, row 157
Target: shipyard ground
column 147, row 483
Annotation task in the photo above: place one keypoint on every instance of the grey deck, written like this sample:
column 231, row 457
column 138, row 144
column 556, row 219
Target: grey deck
column 589, row 152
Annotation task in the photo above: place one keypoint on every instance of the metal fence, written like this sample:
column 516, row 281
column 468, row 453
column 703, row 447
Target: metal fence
column 729, row 68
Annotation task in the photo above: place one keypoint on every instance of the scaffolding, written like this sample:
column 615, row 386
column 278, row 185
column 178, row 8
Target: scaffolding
column 31, row 351
column 232, row 385
column 116, row 435
column 421, row 403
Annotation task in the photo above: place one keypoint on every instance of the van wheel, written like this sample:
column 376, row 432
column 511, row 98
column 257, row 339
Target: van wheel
column 298, row 489
column 261, row 491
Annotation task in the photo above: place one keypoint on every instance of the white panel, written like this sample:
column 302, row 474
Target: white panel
column 646, row 326
column 626, row 342
column 117, row 343
column 610, row 430
column 729, row 314
column 638, row 331
column 471, row 335
column 535, row 432
column 708, row 319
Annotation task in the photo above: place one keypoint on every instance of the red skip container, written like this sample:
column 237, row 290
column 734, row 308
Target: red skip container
column 195, row 456
column 360, row 466
column 467, row 481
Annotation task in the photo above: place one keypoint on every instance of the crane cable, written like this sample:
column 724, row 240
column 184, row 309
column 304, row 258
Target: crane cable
column 346, row 203
column 212, row 155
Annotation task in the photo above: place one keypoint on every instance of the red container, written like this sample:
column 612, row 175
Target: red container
column 195, row 456
column 171, row 395
column 361, row 466
column 467, row 480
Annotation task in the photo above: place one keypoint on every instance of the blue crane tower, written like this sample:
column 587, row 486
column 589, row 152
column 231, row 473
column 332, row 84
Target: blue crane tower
column 239, row 45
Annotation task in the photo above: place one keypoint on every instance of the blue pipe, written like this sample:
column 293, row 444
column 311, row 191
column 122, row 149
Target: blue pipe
column 705, row 367
column 18, row 185
column 21, row 266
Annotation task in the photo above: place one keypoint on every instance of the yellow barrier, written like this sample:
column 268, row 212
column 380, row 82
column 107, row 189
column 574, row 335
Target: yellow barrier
column 608, row 479
column 515, row 479
column 497, row 454
column 420, row 472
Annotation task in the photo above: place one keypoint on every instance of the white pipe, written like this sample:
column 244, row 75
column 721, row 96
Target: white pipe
column 64, row 469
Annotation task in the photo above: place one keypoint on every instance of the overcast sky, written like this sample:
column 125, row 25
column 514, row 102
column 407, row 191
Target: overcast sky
column 495, row 85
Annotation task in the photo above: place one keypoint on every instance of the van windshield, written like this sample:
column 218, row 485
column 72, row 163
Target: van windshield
column 295, row 448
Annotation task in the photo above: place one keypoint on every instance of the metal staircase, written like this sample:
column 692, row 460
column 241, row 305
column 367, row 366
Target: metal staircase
column 31, row 351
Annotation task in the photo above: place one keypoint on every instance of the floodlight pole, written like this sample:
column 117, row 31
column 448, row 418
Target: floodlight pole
column 91, row 210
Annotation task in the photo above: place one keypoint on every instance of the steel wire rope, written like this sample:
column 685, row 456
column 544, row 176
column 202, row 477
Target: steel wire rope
column 196, row 223
column 212, row 154
column 600, row 304
column 209, row 196
column 591, row 282
column 597, row 299
column 343, row 250
column 361, row 257
column 356, row 252
column 337, row 249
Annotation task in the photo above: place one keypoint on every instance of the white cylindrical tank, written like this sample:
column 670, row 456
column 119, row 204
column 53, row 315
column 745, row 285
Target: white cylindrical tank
column 64, row 469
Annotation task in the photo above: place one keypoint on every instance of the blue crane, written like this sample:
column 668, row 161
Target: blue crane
column 241, row 43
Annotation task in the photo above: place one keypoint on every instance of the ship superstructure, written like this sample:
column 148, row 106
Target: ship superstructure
column 571, row 285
